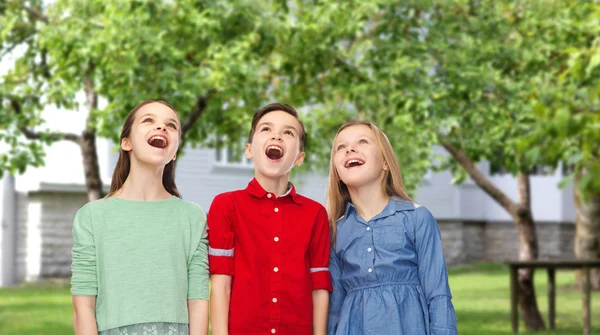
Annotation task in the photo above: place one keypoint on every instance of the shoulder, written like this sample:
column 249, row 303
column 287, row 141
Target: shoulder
column 190, row 207
column 311, row 206
column 224, row 201
column 92, row 207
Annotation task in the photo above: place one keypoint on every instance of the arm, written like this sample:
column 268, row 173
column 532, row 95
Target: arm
column 198, row 316
column 84, row 285
column 84, row 315
column 220, row 295
column 336, row 299
column 318, row 257
column 198, row 283
column 433, row 275
column 221, row 250
column 320, row 307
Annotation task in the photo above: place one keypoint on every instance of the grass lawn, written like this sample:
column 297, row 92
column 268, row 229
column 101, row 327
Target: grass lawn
column 481, row 299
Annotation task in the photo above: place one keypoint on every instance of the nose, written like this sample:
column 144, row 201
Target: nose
column 349, row 150
column 276, row 137
column 161, row 127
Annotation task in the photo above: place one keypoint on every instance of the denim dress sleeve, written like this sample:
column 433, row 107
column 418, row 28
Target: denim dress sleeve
column 336, row 298
column 433, row 276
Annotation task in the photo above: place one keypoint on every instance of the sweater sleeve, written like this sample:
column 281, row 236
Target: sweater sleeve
column 84, row 280
column 198, row 265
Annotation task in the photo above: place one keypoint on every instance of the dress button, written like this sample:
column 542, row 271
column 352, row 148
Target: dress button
column 274, row 299
column 276, row 239
column 276, row 269
column 276, row 209
column 369, row 249
column 273, row 331
column 269, row 195
column 368, row 228
column 370, row 270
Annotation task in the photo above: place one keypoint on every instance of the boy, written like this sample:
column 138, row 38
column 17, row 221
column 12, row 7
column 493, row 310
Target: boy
column 268, row 245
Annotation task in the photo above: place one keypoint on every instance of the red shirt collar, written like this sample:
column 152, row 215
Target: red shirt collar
column 255, row 189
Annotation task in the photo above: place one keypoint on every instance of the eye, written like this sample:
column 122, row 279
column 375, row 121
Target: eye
column 341, row 146
column 288, row 132
column 265, row 128
column 172, row 125
column 148, row 119
column 363, row 141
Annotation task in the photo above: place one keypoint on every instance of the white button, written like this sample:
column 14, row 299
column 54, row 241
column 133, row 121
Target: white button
column 369, row 249
column 276, row 269
column 370, row 270
column 274, row 299
column 368, row 228
column 276, row 239
column 269, row 195
column 276, row 209
column 273, row 331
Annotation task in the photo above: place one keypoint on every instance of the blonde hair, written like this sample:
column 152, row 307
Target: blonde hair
column 337, row 191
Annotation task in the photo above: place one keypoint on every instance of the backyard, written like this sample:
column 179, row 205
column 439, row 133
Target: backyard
column 481, row 299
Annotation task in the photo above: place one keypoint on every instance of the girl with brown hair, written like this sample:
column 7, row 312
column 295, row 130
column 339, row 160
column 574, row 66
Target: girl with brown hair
column 140, row 255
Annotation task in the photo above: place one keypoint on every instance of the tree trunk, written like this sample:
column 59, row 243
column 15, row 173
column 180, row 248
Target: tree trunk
column 528, row 250
column 91, row 169
column 523, row 219
column 93, row 181
column 587, row 236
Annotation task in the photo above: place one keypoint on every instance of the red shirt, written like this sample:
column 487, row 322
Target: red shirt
column 277, row 252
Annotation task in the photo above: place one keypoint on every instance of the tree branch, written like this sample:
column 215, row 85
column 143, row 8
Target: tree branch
column 33, row 135
column 91, row 97
column 484, row 183
column 197, row 111
column 36, row 14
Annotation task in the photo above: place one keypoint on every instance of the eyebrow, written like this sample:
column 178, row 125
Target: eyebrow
column 154, row 115
column 271, row 124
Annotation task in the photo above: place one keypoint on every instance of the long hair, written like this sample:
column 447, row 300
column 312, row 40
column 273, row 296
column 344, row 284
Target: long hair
column 124, row 162
column 337, row 191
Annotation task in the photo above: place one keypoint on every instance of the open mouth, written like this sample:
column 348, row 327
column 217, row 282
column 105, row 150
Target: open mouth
column 274, row 152
column 158, row 141
column 353, row 163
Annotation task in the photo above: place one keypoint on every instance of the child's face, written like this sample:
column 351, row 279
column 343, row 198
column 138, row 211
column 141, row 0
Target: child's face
column 275, row 147
column 154, row 136
column 357, row 157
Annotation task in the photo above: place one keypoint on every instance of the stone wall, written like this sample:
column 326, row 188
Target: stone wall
column 45, row 237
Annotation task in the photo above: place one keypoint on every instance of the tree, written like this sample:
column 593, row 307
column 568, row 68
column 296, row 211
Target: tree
column 211, row 60
column 566, row 103
column 432, row 73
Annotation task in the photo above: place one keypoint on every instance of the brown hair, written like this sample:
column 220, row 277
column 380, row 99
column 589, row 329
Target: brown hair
column 337, row 191
column 273, row 108
column 124, row 162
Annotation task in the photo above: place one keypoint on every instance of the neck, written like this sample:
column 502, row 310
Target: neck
column 276, row 186
column 369, row 200
column 144, row 183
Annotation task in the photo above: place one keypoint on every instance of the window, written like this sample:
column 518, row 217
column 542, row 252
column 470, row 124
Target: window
column 233, row 155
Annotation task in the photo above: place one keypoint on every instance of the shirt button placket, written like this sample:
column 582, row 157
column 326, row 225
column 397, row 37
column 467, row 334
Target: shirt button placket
column 276, row 263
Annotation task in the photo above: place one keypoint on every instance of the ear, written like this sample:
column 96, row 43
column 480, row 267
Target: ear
column 247, row 151
column 300, row 159
column 126, row 144
column 385, row 166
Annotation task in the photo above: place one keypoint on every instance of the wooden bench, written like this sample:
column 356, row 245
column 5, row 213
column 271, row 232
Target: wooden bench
column 551, row 266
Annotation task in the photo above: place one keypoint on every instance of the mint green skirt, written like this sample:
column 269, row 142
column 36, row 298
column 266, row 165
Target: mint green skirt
column 154, row 328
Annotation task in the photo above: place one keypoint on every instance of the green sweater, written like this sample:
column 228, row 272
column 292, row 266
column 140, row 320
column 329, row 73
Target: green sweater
column 141, row 259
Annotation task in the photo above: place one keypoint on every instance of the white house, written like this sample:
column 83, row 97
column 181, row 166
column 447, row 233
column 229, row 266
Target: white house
column 38, row 207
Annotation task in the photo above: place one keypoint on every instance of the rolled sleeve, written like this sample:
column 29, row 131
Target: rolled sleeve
column 433, row 275
column 198, row 265
column 84, row 281
column 318, row 253
column 221, row 238
column 336, row 298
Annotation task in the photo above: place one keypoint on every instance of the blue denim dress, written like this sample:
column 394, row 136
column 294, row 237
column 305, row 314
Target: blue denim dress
column 389, row 274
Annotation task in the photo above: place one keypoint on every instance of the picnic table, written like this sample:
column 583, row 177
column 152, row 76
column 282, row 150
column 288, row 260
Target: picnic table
column 551, row 266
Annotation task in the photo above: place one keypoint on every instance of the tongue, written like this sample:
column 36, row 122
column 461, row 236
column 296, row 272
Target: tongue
column 274, row 154
column 157, row 143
